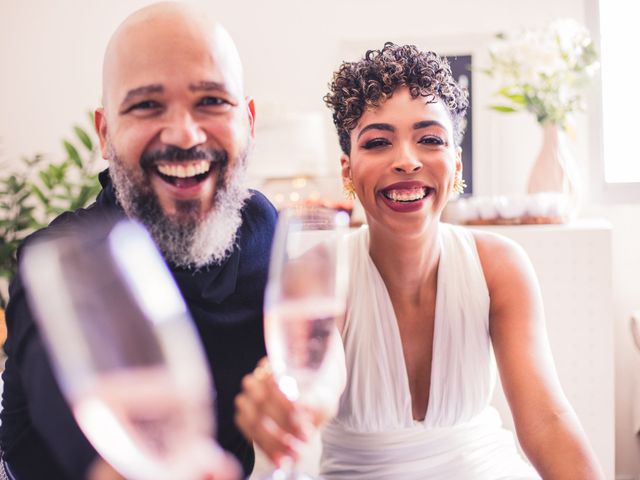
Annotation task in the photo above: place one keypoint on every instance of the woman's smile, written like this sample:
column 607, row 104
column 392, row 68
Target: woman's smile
column 406, row 196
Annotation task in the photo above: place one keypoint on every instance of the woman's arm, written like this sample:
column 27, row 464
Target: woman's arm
column 547, row 427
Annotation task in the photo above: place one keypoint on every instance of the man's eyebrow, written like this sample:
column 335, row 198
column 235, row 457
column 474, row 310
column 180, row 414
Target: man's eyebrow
column 428, row 123
column 207, row 86
column 377, row 126
column 141, row 91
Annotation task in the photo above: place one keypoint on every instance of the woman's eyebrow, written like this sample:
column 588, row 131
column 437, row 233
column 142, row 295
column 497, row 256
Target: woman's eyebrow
column 428, row 123
column 377, row 126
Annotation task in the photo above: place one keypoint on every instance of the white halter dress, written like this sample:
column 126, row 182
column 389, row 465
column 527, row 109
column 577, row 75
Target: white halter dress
column 374, row 435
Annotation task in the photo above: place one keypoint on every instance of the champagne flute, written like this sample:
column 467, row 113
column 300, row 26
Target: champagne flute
column 124, row 350
column 305, row 295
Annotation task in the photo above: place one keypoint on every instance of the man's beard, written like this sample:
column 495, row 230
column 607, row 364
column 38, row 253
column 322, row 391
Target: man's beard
column 189, row 238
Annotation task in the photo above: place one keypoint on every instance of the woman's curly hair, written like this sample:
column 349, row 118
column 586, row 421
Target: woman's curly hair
column 367, row 83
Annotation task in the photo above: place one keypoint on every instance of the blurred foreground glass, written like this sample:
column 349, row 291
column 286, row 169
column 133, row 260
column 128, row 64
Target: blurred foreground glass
column 306, row 294
column 125, row 350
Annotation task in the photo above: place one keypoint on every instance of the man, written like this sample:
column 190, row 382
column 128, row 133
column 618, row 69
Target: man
column 176, row 130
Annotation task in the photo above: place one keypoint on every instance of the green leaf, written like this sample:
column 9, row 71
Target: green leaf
column 74, row 156
column 84, row 137
column 95, row 189
column 36, row 225
column 56, row 173
column 26, row 210
column 57, row 210
column 44, row 176
column 23, row 196
column 512, row 94
column 12, row 184
column 30, row 162
column 83, row 197
column 22, row 224
column 516, row 98
column 6, row 249
column 64, row 196
column 41, row 196
column 503, row 108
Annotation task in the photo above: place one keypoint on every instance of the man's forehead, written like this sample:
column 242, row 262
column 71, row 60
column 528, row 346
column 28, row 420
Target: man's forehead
column 153, row 49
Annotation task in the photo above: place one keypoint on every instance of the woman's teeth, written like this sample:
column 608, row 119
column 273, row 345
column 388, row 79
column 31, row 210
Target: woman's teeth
column 406, row 195
column 185, row 169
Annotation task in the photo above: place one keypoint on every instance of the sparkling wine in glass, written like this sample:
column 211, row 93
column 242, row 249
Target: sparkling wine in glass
column 305, row 297
column 124, row 350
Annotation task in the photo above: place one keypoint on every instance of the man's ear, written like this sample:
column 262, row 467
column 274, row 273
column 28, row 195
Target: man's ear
column 251, row 111
column 100, row 123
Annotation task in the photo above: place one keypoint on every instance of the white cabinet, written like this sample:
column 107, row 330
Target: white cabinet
column 573, row 264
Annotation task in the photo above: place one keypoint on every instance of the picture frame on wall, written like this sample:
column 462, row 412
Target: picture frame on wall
column 462, row 68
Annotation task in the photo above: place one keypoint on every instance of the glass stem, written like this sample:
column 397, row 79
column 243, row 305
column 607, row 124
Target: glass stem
column 286, row 470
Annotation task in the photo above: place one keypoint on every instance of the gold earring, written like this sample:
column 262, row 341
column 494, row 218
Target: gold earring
column 459, row 184
column 349, row 189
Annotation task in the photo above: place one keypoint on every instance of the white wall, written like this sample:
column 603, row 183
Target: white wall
column 51, row 52
column 626, row 298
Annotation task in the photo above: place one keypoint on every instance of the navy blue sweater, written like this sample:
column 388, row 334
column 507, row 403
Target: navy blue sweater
column 38, row 433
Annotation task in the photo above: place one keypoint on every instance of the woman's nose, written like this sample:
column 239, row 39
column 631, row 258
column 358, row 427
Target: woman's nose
column 407, row 162
column 183, row 131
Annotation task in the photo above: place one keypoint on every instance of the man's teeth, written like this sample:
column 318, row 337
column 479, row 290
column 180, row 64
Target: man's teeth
column 406, row 195
column 184, row 170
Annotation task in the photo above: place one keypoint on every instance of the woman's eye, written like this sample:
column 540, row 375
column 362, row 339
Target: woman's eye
column 376, row 143
column 431, row 140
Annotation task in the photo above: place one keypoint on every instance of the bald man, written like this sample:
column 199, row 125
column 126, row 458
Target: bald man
column 176, row 129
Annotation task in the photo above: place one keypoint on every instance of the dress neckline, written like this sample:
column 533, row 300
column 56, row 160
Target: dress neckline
column 435, row 348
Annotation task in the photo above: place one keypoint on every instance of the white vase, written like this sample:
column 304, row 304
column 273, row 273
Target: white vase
column 555, row 170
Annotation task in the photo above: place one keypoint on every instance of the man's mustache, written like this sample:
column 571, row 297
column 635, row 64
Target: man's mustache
column 176, row 154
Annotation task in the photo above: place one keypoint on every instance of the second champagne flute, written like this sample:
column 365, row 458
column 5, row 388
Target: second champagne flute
column 305, row 297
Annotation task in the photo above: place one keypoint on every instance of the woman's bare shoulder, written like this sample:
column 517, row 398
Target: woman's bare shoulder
column 500, row 257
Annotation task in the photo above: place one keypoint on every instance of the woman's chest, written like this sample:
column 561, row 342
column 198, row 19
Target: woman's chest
column 416, row 331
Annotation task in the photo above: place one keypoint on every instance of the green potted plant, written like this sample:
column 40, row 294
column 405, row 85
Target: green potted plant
column 35, row 194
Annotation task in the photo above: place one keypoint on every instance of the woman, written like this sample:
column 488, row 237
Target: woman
column 429, row 303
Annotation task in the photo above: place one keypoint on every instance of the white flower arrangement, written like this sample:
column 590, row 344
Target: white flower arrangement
column 544, row 71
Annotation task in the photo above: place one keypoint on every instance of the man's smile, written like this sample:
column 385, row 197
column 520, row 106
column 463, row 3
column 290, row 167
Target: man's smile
column 184, row 174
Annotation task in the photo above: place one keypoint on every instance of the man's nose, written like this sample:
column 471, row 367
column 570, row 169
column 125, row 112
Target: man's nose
column 407, row 161
column 183, row 131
